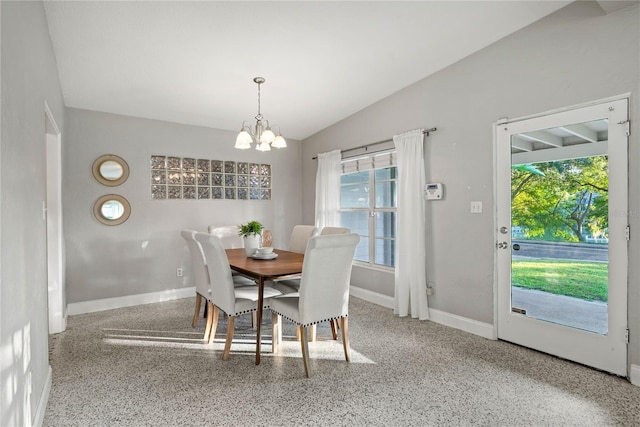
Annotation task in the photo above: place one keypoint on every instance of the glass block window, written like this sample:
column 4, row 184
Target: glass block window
column 216, row 166
column 204, row 179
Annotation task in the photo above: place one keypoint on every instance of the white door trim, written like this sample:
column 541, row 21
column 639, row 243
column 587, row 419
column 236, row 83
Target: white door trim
column 55, row 237
column 506, row 120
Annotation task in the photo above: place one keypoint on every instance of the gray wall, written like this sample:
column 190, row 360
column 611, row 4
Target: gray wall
column 576, row 55
column 29, row 78
column 142, row 255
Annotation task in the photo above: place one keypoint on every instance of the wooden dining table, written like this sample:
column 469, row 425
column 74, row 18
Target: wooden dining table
column 287, row 264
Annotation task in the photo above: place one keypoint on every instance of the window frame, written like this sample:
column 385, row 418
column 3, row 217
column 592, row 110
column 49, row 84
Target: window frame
column 372, row 210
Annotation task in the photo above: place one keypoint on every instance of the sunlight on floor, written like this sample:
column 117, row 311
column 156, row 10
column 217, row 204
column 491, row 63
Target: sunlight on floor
column 325, row 349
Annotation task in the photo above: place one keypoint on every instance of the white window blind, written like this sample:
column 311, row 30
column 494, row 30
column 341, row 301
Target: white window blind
column 371, row 161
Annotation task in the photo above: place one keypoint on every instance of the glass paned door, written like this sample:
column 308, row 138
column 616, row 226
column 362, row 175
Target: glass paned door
column 561, row 247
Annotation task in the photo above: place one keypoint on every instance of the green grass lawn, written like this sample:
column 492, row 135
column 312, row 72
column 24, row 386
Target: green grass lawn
column 585, row 280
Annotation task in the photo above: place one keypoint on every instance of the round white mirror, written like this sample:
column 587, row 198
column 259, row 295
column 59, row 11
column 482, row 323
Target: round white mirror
column 111, row 209
column 110, row 170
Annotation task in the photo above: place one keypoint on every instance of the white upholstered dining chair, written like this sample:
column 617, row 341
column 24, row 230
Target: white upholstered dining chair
column 298, row 243
column 232, row 300
column 294, row 283
column 199, row 273
column 229, row 235
column 334, row 230
column 324, row 232
column 299, row 237
column 324, row 290
column 201, row 279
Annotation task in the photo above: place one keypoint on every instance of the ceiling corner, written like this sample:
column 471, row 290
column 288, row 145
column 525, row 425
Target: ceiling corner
column 610, row 6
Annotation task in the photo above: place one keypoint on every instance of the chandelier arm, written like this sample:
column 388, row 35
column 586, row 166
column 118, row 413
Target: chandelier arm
column 246, row 126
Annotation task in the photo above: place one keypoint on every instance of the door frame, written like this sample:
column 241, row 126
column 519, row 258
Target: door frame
column 496, row 128
column 56, row 289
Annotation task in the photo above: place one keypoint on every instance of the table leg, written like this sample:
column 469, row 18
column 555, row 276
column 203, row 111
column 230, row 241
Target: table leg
column 259, row 316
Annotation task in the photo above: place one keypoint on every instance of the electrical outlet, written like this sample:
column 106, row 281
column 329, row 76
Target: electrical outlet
column 430, row 288
column 179, row 272
column 476, row 207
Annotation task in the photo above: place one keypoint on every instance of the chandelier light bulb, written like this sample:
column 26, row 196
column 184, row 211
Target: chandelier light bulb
column 279, row 142
column 267, row 137
column 263, row 146
column 243, row 140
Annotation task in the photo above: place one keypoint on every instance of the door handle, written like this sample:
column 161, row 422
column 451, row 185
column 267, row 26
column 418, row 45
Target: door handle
column 502, row 245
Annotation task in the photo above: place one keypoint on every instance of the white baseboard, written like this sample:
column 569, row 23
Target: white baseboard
column 38, row 419
column 634, row 375
column 482, row 329
column 475, row 327
column 374, row 297
column 129, row 300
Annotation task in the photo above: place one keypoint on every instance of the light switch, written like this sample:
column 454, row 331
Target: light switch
column 476, row 207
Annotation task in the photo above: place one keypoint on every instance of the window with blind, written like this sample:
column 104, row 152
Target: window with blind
column 368, row 202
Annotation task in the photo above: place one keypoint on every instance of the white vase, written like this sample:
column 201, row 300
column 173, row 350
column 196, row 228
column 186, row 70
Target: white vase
column 251, row 243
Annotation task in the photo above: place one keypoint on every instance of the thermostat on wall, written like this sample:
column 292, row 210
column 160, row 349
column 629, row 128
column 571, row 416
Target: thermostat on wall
column 433, row 191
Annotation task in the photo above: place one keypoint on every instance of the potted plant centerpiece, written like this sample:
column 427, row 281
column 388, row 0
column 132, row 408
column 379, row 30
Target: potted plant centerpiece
column 251, row 234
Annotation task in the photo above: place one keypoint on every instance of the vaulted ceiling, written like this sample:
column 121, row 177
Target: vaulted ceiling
column 194, row 62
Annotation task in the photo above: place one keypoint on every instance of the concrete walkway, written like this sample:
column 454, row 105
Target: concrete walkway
column 587, row 315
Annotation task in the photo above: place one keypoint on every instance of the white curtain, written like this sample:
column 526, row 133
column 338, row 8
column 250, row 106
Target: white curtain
column 410, row 270
column 328, row 189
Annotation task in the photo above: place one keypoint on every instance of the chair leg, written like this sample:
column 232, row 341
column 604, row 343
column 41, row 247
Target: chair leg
column 312, row 333
column 214, row 324
column 305, row 349
column 194, row 322
column 276, row 324
column 227, row 344
column 334, row 329
column 345, row 337
column 207, row 329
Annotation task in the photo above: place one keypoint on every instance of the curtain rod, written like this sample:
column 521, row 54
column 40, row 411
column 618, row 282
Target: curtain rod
column 366, row 146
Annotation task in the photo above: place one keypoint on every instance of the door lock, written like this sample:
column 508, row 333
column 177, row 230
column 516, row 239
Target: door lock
column 503, row 230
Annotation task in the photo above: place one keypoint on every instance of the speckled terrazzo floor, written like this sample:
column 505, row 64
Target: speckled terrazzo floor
column 146, row 366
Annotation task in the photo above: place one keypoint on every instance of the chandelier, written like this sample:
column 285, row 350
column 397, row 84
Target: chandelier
column 262, row 134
